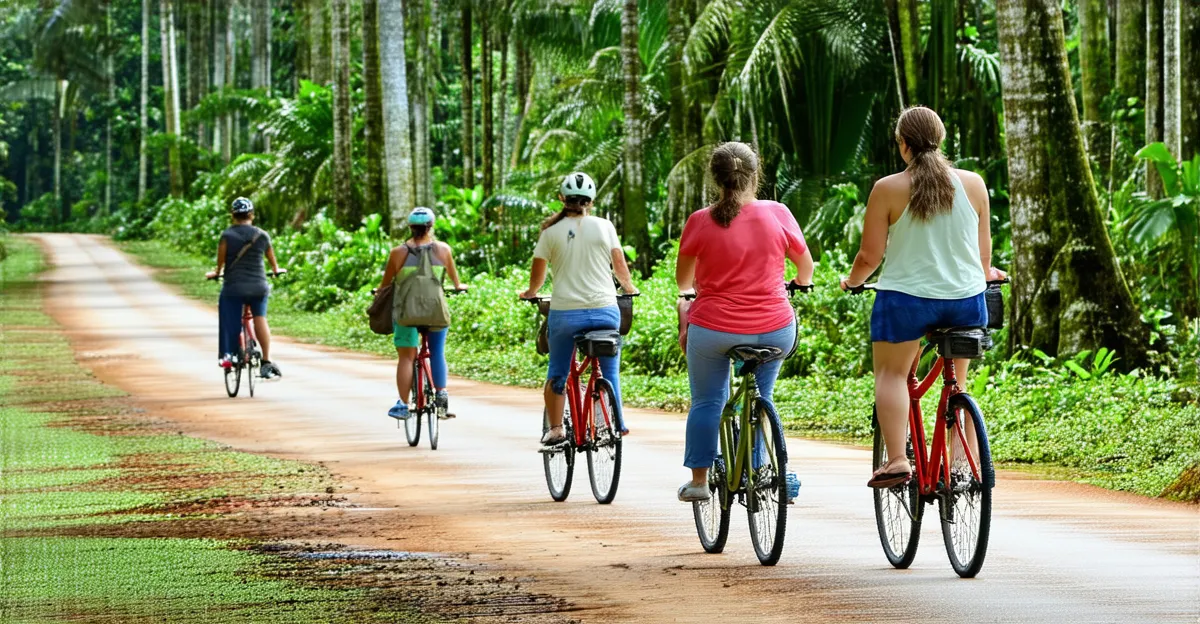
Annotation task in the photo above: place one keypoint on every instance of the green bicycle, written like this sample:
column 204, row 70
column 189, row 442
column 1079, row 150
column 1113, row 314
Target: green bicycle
column 756, row 478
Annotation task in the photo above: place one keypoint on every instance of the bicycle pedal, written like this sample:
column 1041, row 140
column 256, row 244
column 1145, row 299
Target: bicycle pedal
column 555, row 448
column 448, row 416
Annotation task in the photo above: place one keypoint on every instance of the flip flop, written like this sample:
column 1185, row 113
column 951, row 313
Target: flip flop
column 886, row 480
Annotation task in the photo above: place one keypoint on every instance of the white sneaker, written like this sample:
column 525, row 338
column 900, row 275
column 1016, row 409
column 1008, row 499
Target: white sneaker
column 691, row 493
column 556, row 435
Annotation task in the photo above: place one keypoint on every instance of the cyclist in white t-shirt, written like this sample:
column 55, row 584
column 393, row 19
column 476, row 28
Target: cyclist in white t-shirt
column 583, row 252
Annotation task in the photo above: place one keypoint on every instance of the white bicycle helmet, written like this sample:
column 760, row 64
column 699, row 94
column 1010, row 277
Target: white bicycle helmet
column 578, row 183
column 420, row 216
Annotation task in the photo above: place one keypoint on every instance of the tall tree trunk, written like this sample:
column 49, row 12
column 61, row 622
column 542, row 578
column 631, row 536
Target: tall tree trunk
column 488, row 77
column 422, row 155
column 143, row 100
column 1097, row 82
column 63, row 211
column 1131, row 48
column 524, row 99
column 505, row 112
column 1068, row 290
column 373, row 122
column 230, row 121
column 1154, row 89
column 397, row 139
column 260, row 63
column 468, row 104
column 170, row 65
column 633, row 182
column 1172, row 77
column 677, row 34
column 910, row 40
column 343, row 189
column 1189, row 84
column 110, row 78
column 320, row 42
column 197, row 60
column 220, row 13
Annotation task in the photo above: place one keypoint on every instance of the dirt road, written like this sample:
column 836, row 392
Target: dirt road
column 1059, row 552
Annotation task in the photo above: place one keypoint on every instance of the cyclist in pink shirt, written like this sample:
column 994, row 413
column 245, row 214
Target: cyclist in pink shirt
column 732, row 254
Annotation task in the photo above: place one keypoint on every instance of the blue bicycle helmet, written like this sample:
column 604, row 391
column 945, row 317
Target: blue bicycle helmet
column 420, row 216
column 241, row 206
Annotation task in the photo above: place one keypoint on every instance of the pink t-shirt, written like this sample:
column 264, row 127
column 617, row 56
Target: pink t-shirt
column 739, row 269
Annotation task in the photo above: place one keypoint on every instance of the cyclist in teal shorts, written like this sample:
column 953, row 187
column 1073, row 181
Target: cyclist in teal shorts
column 403, row 260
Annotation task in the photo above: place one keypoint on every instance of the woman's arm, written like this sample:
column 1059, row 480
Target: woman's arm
column 621, row 269
column 394, row 264
column 537, row 278
column 874, row 239
column 221, row 247
column 978, row 194
column 448, row 260
column 685, row 273
column 271, row 259
column 804, row 266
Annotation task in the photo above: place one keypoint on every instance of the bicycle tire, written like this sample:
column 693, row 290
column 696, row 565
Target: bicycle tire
column 252, row 364
column 412, row 424
column 712, row 515
column 233, row 378
column 967, row 501
column 767, row 505
column 431, row 412
column 559, row 464
column 898, row 510
column 604, row 450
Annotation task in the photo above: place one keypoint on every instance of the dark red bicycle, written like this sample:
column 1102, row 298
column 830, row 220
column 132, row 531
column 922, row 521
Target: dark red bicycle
column 424, row 403
column 589, row 418
column 955, row 470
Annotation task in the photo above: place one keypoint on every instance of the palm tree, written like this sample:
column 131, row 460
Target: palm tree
column 343, row 196
column 143, row 127
column 633, row 178
column 468, row 105
column 170, row 65
column 419, row 96
column 397, row 138
column 373, row 117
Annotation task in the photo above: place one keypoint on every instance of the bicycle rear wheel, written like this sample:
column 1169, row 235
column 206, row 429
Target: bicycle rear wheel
column 604, row 450
column 897, row 510
column 559, row 463
column 412, row 425
column 233, row 377
column 712, row 515
column 967, row 502
column 253, row 362
column 431, row 411
column 766, row 505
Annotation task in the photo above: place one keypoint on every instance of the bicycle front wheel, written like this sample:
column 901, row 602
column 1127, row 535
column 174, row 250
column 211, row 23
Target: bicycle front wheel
column 712, row 515
column 967, row 501
column 559, row 463
column 604, row 449
column 897, row 509
column 412, row 425
column 253, row 363
column 766, row 504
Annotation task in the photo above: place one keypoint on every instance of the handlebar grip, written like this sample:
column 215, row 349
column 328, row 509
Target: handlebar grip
column 793, row 288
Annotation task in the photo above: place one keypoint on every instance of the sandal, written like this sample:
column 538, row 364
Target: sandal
column 883, row 479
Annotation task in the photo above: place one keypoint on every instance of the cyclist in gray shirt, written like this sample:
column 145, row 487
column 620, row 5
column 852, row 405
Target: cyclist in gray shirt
column 240, row 252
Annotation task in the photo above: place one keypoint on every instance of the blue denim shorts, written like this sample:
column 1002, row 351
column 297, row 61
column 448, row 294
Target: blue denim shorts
column 898, row 317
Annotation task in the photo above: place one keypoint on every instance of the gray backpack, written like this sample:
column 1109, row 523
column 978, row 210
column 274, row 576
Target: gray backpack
column 418, row 299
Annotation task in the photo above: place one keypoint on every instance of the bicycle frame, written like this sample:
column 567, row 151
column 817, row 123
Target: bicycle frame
column 583, row 422
column 932, row 468
column 247, row 328
column 742, row 456
column 423, row 357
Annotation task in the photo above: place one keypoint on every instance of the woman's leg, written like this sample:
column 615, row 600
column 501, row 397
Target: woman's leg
column 708, row 375
column 562, row 346
column 229, row 317
column 610, row 367
column 262, row 331
column 437, row 358
column 893, row 360
column 404, row 371
column 767, row 374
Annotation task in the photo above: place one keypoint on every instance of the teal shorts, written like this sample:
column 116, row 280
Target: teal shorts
column 405, row 337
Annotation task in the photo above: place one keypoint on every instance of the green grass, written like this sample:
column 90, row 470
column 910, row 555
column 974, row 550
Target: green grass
column 71, row 458
column 1136, row 434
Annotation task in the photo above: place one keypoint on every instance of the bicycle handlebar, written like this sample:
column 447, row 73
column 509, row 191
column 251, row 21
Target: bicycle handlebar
column 448, row 291
column 272, row 274
column 860, row 289
column 792, row 289
column 539, row 299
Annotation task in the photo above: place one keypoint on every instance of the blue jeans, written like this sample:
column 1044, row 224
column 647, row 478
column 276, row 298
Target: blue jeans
column 564, row 325
column 229, row 320
column 708, row 373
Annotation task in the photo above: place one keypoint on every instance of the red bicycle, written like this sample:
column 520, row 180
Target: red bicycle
column 424, row 400
column 248, row 357
column 589, row 418
column 955, row 470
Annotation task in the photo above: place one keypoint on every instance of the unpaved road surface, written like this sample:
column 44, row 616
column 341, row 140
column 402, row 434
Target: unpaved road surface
column 1059, row 552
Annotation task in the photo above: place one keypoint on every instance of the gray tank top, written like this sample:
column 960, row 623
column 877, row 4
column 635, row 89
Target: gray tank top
column 414, row 258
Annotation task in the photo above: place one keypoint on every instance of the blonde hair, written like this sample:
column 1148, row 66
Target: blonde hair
column 932, row 191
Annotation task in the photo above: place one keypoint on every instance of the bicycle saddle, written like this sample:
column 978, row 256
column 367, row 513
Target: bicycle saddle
column 600, row 343
column 755, row 353
column 961, row 342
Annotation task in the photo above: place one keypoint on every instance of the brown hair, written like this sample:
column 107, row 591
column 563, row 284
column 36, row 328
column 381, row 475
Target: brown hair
column 567, row 211
column 923, row 133
column 734, row 169
column 419, row 230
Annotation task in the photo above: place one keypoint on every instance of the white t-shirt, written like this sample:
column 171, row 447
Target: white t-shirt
column 579, row 250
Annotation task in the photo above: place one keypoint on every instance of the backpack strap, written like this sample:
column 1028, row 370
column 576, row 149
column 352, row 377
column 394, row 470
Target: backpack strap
column 257, row 234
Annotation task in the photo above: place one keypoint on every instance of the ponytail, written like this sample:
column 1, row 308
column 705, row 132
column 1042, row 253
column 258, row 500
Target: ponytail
column 932, row 191
column 553, row 219
column 734, row 168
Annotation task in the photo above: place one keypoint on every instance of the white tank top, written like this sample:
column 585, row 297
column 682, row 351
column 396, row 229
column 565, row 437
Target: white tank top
column 938, row 258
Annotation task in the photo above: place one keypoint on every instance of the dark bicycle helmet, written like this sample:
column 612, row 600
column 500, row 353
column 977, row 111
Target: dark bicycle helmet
column 241, row 206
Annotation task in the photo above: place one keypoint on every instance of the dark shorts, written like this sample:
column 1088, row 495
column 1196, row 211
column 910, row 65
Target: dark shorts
column 258, row 305
column 898, row 317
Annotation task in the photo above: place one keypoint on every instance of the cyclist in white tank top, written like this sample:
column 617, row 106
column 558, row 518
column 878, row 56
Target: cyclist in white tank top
column 932, row 223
